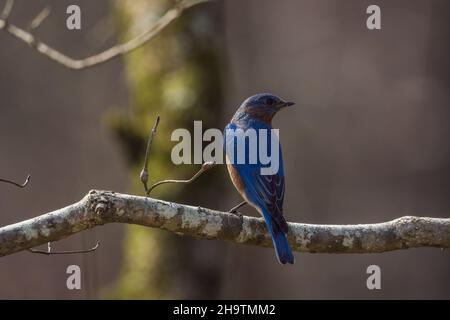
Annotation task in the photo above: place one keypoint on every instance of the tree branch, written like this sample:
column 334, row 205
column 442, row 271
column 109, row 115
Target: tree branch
column 144, row 172
column 102, row 57
column 50, row 252
column 23, row 185
column 205, row 167
column 7, row 10
column 101, row 207
column 37, row 21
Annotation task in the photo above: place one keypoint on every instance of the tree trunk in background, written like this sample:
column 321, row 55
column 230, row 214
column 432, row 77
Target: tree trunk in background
column 176, row 75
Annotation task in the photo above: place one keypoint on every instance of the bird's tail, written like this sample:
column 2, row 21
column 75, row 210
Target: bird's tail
column 282, row 248
column 280, row 242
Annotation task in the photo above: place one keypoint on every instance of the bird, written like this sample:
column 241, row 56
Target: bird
column 263, row 192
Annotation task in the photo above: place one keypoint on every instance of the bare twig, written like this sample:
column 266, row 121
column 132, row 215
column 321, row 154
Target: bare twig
column 101, row 207
column 205, row 167
column 7, row 10
column 102, row 57
column 144, row 173
column 37, row 21
column 23, row 185
column 49, row 252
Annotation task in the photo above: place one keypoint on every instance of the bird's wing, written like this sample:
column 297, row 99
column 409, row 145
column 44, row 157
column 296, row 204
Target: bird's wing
column 265, row 191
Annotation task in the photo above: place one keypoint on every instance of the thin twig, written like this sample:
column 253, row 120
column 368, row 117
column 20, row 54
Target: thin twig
column 23, row 185
column 7, row 10
column 144, row 173
column 102, row 57
column 205, row 167
column 49, row 252
column 37, row 21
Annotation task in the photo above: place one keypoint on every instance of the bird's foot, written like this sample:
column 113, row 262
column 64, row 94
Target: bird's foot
column 237, row 213
column 235, row 208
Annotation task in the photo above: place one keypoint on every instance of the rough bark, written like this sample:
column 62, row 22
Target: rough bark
column 101, row 207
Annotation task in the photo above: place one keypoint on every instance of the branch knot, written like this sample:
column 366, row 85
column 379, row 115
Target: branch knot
column 100, row 203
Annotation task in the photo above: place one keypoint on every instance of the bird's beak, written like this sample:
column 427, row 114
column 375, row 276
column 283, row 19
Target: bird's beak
column 287, row 104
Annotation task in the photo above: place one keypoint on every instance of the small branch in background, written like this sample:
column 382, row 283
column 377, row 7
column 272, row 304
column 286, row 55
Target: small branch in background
column 7, row 10
column 144, row 173
column 23, row 185
column 102, row 57
column 49, row 250
column 205, row 167
column 37, row 21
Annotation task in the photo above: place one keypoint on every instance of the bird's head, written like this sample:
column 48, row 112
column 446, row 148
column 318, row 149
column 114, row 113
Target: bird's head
column 264, row 106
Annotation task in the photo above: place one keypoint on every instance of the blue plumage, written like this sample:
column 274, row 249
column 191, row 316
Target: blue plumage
column 265, row 192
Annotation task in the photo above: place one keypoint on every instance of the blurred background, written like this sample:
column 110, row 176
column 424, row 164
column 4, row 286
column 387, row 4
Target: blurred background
column 367, row 141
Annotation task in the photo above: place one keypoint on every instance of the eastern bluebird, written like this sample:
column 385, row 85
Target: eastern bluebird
column 264, row 192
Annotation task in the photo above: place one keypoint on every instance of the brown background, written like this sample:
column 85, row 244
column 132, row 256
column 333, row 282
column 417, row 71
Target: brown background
column 367, row 141
column 51, row 126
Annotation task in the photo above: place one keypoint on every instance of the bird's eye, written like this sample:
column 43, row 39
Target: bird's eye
column 269, row 101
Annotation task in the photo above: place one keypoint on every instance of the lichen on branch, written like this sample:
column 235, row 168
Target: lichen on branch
column 101, row 207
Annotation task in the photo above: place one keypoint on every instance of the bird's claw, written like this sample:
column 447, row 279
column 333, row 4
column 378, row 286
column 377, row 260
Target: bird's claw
column 236, row 213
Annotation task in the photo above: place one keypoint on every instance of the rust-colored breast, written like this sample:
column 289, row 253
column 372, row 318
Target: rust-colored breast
column 235, row 178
